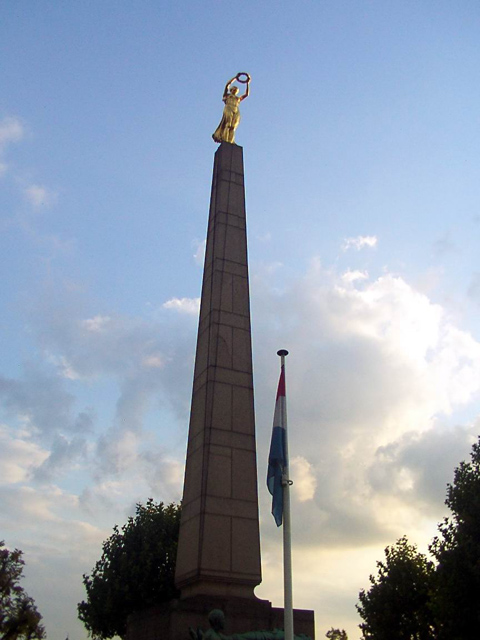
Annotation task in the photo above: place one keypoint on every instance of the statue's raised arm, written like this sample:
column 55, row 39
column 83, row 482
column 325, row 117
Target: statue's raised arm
column 245, row 81
column 227, row 87
column 225, row 131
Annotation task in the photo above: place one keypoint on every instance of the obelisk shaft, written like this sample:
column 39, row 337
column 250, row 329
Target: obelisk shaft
column 219, row 544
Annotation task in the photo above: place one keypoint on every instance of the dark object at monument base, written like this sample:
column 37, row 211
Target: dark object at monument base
column 172, row 620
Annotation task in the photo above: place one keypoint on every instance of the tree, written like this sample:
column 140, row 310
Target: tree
column 136, row 570
column 456, row 601
column 336, row 634
column 397, row 605
column 19, row 618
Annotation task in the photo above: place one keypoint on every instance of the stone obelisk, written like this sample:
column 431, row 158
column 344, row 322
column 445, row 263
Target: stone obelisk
column 218, row 559
column 219, row 544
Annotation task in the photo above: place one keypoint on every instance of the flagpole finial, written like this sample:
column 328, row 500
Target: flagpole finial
column 282, row 352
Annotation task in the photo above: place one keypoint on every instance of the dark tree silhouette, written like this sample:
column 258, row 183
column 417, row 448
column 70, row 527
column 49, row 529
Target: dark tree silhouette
column 456, row 600
column 397, row 605
column 136, row 570
column 19, row 618
column 337, row 634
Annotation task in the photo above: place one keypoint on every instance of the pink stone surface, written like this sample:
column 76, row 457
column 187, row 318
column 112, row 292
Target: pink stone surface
column 219, row 545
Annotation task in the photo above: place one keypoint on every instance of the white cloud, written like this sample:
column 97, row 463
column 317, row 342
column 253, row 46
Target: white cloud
column 199, row 255
column 375, row 369
column 27, row 505
column 371, row 361
column 118, row 449
column 183, row 305
column 414, row 465
column 64, row 367
column 59, row 544
column 359, row 242
column 473, row 291
column 11, row 130
column 39, row 196
column 18, row 456
column 39, row 402
column 455, row 368
column 139, row 473
column 97, row 323
column 65, row 453
column 164, row 479
column 353, row 276
column 305, row 480
column 366, row 367
column 154, row 361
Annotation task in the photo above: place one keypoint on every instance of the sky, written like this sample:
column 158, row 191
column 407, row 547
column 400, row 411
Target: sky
column 361, row 137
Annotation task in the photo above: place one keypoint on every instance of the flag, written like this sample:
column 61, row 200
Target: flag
column 277, row 458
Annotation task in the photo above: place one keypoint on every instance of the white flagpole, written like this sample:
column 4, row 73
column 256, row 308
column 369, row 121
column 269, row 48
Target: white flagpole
column 287, row 530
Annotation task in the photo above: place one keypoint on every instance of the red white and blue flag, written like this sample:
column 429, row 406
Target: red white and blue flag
column 277, row 459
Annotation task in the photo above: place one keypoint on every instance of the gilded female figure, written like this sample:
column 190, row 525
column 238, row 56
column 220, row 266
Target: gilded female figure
column 225, row 131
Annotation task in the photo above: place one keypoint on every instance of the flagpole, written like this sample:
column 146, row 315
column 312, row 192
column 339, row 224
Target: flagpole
column 287, row 530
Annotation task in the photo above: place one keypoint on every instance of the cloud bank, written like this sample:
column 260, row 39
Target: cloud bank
column 376, row 376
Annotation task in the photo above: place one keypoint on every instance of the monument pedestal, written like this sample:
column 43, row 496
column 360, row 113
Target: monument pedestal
column 172, row 620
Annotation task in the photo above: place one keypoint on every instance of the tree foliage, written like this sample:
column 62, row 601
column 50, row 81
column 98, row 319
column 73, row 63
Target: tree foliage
column 337, row 634
column 396, row 607
column 136, row 570
column 19, row 618
column 411, row 595
column 456, row 600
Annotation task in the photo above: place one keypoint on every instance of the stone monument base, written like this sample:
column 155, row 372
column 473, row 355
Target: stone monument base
column 171, row 621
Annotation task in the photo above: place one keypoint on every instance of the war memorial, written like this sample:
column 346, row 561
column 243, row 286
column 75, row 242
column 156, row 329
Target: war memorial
column 218, row 560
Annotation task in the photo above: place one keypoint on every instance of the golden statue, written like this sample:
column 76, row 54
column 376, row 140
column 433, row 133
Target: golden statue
column 225, row 131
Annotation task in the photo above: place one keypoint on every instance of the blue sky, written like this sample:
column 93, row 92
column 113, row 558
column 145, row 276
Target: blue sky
column 361, row 138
